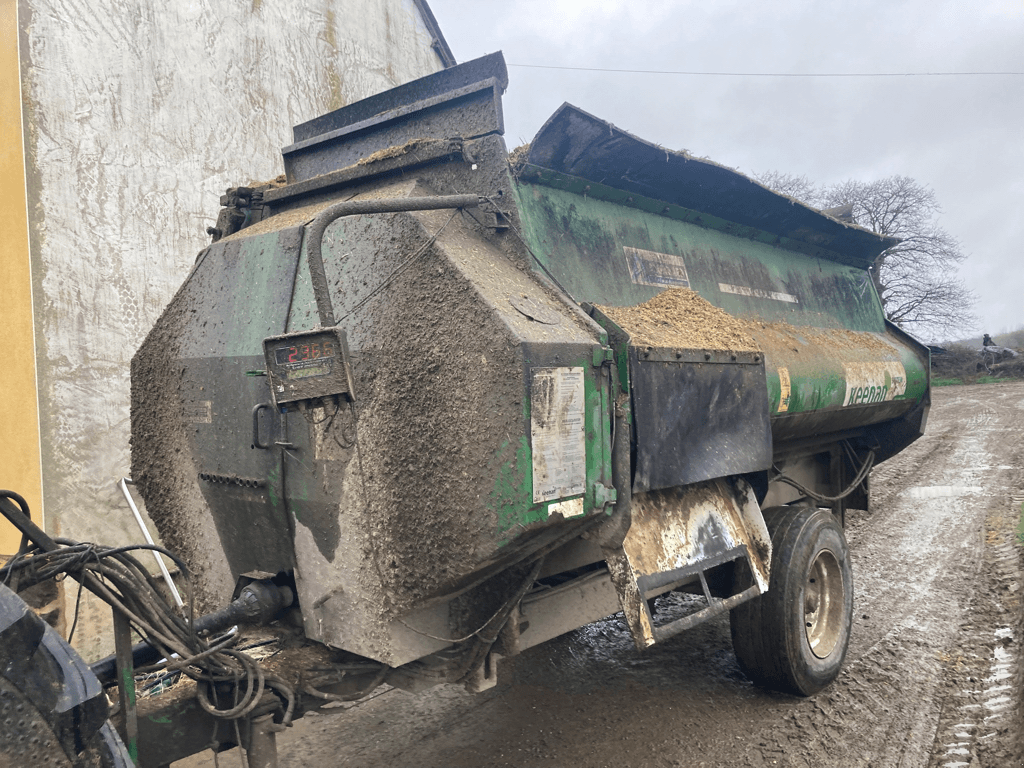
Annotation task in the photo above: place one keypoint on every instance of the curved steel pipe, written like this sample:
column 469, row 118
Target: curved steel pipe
column 318, row 227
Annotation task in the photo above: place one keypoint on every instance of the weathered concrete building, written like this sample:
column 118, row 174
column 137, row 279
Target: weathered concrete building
column 123, row 122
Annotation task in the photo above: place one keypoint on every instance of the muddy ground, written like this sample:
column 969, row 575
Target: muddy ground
column 932, row 678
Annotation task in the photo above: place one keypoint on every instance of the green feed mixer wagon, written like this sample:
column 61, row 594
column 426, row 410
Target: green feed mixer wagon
column 442, row 403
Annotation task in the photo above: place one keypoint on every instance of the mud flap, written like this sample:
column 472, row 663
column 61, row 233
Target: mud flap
column 683, row 532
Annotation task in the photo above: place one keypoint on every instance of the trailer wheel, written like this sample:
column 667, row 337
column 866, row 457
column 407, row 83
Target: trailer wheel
column 794, row 637
column 53, row 711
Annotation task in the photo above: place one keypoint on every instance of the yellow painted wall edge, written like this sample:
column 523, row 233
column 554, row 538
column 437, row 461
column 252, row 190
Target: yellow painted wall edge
column 20, row 469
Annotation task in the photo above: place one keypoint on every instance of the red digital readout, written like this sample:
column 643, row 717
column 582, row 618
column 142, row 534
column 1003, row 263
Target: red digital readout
column 300, row 353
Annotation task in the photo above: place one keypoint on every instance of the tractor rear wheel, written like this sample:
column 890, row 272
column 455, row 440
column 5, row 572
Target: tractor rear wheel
column 53, row 711
column 794, row 637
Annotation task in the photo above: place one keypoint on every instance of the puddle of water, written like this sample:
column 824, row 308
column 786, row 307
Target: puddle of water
column 942, row 491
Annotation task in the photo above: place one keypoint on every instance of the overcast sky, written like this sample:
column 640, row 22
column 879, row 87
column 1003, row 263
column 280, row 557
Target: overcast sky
column 963, row 136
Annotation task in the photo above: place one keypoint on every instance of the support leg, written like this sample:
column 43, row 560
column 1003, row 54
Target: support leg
column 262, row 752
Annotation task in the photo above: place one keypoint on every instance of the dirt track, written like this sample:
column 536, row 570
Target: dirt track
column 932, row 678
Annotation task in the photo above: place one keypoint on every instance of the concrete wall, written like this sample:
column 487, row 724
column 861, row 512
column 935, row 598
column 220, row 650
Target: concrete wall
column 137, row 114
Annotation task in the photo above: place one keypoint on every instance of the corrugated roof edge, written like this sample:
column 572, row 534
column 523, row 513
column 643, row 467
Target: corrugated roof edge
column 575, row 142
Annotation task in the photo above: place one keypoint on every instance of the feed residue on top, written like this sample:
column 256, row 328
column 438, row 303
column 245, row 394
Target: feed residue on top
column 680, row 318
column 397, row 151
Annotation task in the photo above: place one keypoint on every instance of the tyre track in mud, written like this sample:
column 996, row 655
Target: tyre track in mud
column 937, row 573
column 981, row 720
column 918, row 568
column 918, row 565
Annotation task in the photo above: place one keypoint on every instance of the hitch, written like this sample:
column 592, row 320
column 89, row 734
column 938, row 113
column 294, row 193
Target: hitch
column 258, row 603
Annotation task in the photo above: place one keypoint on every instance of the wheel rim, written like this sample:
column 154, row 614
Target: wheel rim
column 823, row 604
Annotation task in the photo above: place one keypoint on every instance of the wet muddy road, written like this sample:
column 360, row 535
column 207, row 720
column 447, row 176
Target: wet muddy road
column 932, row 678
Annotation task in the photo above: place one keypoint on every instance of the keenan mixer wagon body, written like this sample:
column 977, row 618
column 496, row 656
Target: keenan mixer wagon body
column 459, row 402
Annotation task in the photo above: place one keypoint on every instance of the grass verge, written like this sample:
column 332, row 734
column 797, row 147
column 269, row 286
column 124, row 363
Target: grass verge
column 940, row 381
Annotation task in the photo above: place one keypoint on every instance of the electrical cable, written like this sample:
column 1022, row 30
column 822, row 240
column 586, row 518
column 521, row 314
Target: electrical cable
column 540, row 264
column 869, row 461
column 115, row 576
column 767, row 74
column 399, row 269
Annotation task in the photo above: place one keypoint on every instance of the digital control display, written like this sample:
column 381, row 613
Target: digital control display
column 306, row 351
column 308, row 366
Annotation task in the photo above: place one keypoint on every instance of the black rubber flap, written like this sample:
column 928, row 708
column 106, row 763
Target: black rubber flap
column 698, row 421
column 579, row 144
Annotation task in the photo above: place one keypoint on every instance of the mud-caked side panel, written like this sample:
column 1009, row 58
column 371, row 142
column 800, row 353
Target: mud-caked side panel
column 390, row 503
column 423, row 482
column 195, row 381
column 237, row 461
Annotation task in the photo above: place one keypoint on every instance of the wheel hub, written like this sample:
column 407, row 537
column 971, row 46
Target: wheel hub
column 823, row 604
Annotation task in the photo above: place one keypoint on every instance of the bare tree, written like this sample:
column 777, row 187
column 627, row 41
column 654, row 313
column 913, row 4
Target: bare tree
column 916, row 279
column 798, row 187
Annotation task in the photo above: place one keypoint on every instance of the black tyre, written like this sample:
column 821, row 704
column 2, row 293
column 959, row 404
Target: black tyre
column 53, row 711
column 794, row 637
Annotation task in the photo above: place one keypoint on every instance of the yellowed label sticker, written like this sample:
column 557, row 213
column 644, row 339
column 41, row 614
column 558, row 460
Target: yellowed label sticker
column 874, row 382
column 556, row 433
column 784, row 387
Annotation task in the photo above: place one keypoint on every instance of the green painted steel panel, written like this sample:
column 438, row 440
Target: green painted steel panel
column 581, row 231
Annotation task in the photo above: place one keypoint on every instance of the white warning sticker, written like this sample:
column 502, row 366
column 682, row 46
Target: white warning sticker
column 557, row 433
column 874, row 382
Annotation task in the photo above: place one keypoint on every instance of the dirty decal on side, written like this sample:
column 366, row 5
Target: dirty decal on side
column 874, row 382
column 757, row 293
column 557, row 433
column 568, row 508
column 197, row 412
column 653, row 268
column 784, row 390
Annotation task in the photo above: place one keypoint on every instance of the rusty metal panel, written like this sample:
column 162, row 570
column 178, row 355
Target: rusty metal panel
column 681, row 531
